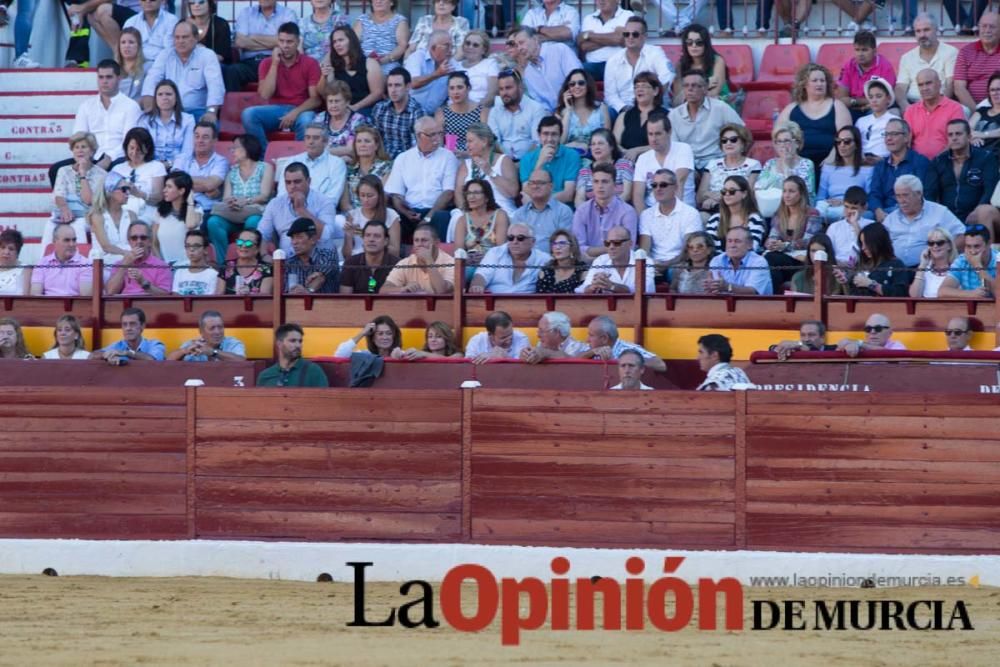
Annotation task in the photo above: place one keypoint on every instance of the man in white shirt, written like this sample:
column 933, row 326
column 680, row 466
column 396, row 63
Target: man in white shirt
column 614, row 271
column 499, row 341
column 929, row 53
column 554, row 21
column 601, row 36
column 554, row 340
column 664, row 227
column 155, row 25
column 663, row 154
column 637, row 56
column 327, row 173
column 631, row 366
column 511, row 267
column 422, row 184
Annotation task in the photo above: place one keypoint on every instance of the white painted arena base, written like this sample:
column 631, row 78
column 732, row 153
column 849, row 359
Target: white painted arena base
column 302, row 561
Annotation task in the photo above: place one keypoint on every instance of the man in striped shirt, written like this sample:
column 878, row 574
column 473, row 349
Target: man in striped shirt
column 977, row 62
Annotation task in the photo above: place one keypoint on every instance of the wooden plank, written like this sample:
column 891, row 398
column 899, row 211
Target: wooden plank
column 87, row 441
column 91, row 526
column 605, row 488
column 372, row 431
column 872, row 471
column 529, row 423
column 502, row 400
column 378, row 406
column 273, row 524
column 600, row 509
column 97, row 484
column 87, row 411
column 861, row 446
column 769, row 531
column 363, row 460
column 643, row 445
column 120, row 426
column 330, row 495
column 872, row 405
column 93, row 502
column 884, row 496
column 468, row 403
column 604, row 467
column 965, row 426
column 601, row 533
column 190, row 458
column 740, row 465
column 91, row 462
column 940, row 515
column 70, row 396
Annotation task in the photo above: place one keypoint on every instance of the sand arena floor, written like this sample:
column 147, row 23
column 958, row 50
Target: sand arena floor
column 214, row 621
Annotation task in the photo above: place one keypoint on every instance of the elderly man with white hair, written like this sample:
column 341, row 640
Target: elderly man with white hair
column 909, row 224
column 930, row 52
column 430, row 68
column 512, row 267
column 422, row 183
column 554, row 340
column 878, row 336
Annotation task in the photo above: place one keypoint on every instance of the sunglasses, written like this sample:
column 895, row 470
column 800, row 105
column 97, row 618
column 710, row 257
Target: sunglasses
column 844, row 142
column 634, row 33
column 694, row 42
column 244, row 243
column 660, row 185
column 730, row 191
column 937, row 244
column 137, row 237
column 611, row 243
column 956, row 332
column 559, row 244
column 517, row 237
column 472, row 44
column 875, row 328
column 578, row 84
column 730, row 140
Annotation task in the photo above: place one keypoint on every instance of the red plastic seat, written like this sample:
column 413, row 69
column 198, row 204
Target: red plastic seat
column 223, row 148
column 673, row 52
column 739, row 62
column 833, row 56
column 778, row 66
column 280, row 135
column 230, row 120
column 761, row 107
column 279, row 149
column 893, row 51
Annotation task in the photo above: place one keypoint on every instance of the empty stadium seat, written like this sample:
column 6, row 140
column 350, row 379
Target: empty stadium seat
column 673, row 52
column 833, row 56
column 279, row 149
column 893, row 51
column 760, row 109
column 230, row 122
column 739, row 62
column 223, row 148
column 778, row 66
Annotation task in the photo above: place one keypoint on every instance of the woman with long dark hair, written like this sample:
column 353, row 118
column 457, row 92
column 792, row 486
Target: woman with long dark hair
column 847, row 168
column 439, row 343
column 349, row 64
column 213, row 30
column 879, row 272
column 690, row 270
column 738, row 209
column 382, row 337
column 143, row 174
column 459, row 113
column 248, row 274
column 580, row 110
column 804, row 280
column 174, row 217
column 630, row 126
column 372, row 205
column 171, row 127
column 697, row 54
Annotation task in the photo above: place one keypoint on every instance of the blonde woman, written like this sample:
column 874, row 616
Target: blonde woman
column 935, row 261
column 129, row 57
column 482, row 69
column 75, row 186
column 68, row 338
column 787, row 139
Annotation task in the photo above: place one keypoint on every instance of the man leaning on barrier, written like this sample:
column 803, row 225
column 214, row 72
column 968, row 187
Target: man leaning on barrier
column 212, row 344
column 499, row 341
column 554, row 340
column 812, row 338
column 132, row 346
column 973, row 272
column 878, row 336
column 603, row 343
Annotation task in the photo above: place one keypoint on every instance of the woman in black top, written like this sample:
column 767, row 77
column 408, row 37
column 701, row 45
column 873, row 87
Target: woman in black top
column 986, row 122
column 630, row 126
column 566, row 271
column 363, row 75
column 213, row 31
column 879, row 272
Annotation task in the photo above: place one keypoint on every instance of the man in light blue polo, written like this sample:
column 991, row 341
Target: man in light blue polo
column 213, row 344
column 196, row 71
column 429, row 69
column 512, row 267
column 208, row 169
column 300, row 200
column 544, row 66
column 562, row 163
column 909, row 224
column 541, row 211
column 738, row 270
column 133, row 346
column 514, row 117
column 972, row 274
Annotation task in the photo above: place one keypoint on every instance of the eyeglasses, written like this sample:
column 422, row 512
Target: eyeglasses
column 517, row 237
column 197, row 2
column 694, row 42
column 559, row 244
column 474, row 44
column 245, row 243
column 955, row 332
column 937, row 244
column 634, row 33
column 612, row 243
column 782, row 142
column 897, row 133
column 138, row 237
column 844, row 142
column 730, row 191
column 659, row 185
column 431, row 134
column 578, row 84
column 473, row 192
column 729, row 140
column 876, row 328
column 538, row 182
column 194, row 246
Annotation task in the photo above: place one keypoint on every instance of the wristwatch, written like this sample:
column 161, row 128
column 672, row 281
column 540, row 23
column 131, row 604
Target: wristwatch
column 212, row 110
column 215, row 353
column 311, row 290
column 145, row 284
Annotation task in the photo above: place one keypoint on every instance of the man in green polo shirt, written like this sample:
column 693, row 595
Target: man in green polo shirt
column 291, row 370
column 562, row 163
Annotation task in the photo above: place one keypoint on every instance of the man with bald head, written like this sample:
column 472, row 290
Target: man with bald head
column 958, row 334
column 430, row 68
column 422, row 184
column 929, row 117
column 929, row 52
column 977, row 61
column 511, row 267
column 614, row 271
column 878, row 336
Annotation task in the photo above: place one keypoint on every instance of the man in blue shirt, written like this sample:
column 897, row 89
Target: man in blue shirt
column 541, row 211
column 213, row 344
column 561, row 162
column 739, row 270
column 430, row 69
column 902, row 160
column 512, row 267
column 132, row 346
column 973, row 273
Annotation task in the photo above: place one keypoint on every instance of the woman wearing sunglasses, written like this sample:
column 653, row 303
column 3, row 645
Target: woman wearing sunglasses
column 738, row 209
column 248, row 273
column 484, row 223
column 935, row 261
column 482, row 69
column 735, row 141
column 580, row 111
column 567, row 269
column 847, row 167
column 697, row 54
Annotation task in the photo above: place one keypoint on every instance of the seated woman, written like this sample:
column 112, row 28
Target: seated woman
column 442, row 18
column 317, row 27
column 482, row 69
column 349, row 64
column 458, row 114
column 75, row 187
column 439, row 343
column 985, row 122
column 738, row 209
column 878, row 273
column 580, row 110
column 174, row 217
column 245, row 192
column 372, row 200
column 689, row 273
column 604, row 148
column 369, row 158
column 129, row 57
column 567, row 269
column 68, row 338
column 15, row 280
column 109, row 221
column 196, row 277
column 935, row 261
column 12, row 340
column 340, row 122
column 143, row 175
column 384, row 34
column 630, row 126
column 787, row 138
column 481, row 224
column 847, row 168
column 248, row 274
column 791, row 228
column 736, row 142
column 171, row 127
column 697, row 54
column 213, row 30
column 487, row 161
column 804, row 280
column 816, row 112
column 382, row 337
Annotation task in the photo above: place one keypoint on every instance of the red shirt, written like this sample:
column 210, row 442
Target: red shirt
column 975, row 67
column 292, row 86
column 930, row 128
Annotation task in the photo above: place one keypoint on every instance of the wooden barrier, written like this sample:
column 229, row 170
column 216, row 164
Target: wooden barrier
column 893, row 473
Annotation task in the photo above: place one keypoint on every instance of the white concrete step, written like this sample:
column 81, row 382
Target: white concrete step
column 29, row 224
column 31, row 80
column 19, row 176
column 33, row 151
column 25, row 200
column 42, row 103
column 50, row 126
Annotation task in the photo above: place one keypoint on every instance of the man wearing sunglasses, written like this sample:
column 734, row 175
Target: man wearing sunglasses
column 878, row 336
column 601, row 35
column 964, row 177
column 614, row 272
column 636, row 56
column 512, row 267
column 140, row 272
column 664, row 227
column 972, row 274
column 958, row 334
column 700, row 119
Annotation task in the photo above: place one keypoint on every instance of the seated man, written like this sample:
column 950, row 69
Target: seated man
column 553, row 21
column 972, row 273
column 366, row 272
column 739, row 269
column 844, row 233
column 614, row 272
column 714, row 355
column 155, row 25
column 311, row 270
column 140, row 272
column 327, row 173
column 429, row 69
column 288, row 81
column 957, row 334
column 196, row 71
column 604, row 343
column 499, row 341
column 256, row 36
column 631, row 366
column 929, row 117
column 394, row 117
column 291, row 370
column 812, row 338
column 699, row 120
column 909, row 225
column 207, row 169
column 606, row 210
column 562, row 163
column 963, row 178
column 514, row 117
column 422, row 183
column 664, row 227
column 213, row 344
column 65, row 272
column 300, row 200
column 542, row 212
column 428, row 269
column 511, row 267
column 132, row 345
column 878, row 333
column 554, row 340
column 543, row 66
column 197, row 278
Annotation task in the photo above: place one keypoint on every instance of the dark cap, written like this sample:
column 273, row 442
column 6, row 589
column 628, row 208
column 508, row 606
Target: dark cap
column 302, row 225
